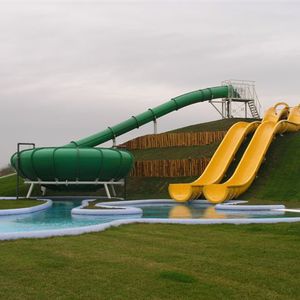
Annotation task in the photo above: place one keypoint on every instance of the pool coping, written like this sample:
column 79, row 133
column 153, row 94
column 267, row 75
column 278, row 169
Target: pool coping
column 128, row 208
column 236, row 207
column 111, row 209
column 116, row 223
column 24, row 210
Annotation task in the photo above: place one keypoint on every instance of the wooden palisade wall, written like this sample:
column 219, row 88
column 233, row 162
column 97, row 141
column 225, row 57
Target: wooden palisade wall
column 183, row 139
column 170, row 168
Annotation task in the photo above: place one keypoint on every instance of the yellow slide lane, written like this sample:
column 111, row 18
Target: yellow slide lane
column 255, row 153
column 217, row 166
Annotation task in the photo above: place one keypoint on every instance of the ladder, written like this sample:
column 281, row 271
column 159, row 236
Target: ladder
column 253, row 109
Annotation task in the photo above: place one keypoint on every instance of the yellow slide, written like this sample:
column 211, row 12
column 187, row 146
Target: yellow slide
column 217, row 166
column 255, row 153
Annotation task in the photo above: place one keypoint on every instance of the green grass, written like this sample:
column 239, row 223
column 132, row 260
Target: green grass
column 8, row 186
column 12, row 204
column 156, row 262
column 151, row 187
column 279, row 177
column 219, row 125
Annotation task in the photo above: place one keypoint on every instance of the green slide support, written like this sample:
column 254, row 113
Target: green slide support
column 79, row 160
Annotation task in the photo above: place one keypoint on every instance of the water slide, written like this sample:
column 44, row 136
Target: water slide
column 82, row 161
column 246, row 171
column 218, row 164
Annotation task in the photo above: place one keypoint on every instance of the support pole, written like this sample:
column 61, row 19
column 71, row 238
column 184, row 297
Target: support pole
column 229, row 109
column 114, row 142
column 125, row 188
column 113, row 191
column 30, row 190
column 155, row 126
column 107, row 191
column 43, row 190
column 223, row 110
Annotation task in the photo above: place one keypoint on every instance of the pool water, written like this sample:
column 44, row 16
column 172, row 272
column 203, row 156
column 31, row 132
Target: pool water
column 59, row 216
column 56, row 217
column 192, row 211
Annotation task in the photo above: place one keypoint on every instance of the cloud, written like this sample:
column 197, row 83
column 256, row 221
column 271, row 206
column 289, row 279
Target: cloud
column 72, row 68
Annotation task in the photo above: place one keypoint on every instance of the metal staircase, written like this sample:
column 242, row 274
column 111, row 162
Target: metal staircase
column 242, row 100
column 253, row 109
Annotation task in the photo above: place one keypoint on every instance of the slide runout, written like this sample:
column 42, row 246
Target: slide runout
column 254, row 155
column 218, row 164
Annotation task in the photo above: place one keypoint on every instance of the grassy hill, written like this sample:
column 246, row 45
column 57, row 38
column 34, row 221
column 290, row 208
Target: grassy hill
column 278, row 178
column 218, row 125
column 188, row 152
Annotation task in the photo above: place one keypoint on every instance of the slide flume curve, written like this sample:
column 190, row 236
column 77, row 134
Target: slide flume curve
column 218, row 165
column 255, row 153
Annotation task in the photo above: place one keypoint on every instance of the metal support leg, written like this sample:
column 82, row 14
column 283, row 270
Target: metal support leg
column 114, row 143
column 30, row 190
column 155, row 126
column 113, row 191
column 43, row 190
column 107, row 191
column 223, row 110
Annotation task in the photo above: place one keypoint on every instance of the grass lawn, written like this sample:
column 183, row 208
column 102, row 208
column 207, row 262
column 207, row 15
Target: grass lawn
column 156, row 262
column 8, row 186
column 12, row 204
column 219, row 125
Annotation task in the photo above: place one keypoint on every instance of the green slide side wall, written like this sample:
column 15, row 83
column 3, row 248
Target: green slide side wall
column 78, row 160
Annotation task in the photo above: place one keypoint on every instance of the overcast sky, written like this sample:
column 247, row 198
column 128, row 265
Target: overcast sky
column 71, row 68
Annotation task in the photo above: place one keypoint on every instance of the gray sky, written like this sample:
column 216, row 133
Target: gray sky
column 71, row 68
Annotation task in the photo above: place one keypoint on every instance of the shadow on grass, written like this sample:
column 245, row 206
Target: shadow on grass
column 176, row 276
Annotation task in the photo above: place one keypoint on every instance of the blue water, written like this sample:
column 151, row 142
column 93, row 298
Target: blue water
column 194, row 211
column 59, row 216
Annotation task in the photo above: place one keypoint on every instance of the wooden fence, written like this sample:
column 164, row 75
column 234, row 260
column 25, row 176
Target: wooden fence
column 165, row 140
column 169, row 168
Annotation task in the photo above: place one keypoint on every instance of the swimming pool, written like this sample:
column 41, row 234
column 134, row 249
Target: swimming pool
column 59, row 216
column 56, row 217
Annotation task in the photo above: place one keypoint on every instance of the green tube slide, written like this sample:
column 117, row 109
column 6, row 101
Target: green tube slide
column 80, row 161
